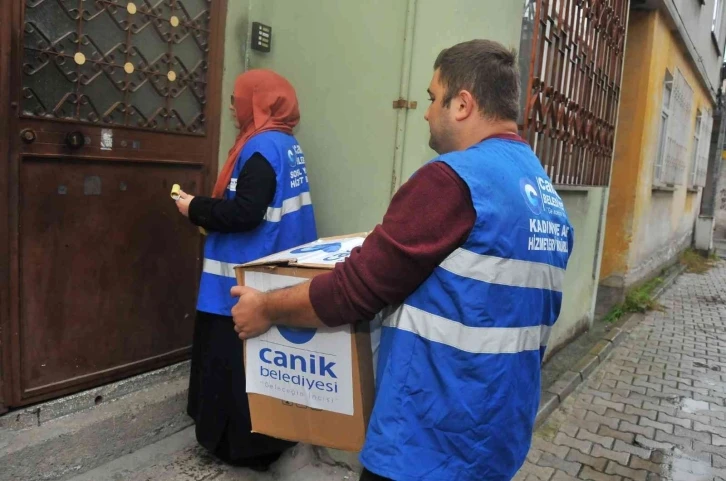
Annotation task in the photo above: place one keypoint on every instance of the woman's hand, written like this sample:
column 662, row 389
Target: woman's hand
column 182, row 203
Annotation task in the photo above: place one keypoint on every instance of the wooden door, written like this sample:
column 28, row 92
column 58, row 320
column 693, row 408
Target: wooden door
column 111, row 102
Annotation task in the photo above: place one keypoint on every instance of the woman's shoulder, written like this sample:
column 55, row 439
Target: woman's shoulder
column 271, row 145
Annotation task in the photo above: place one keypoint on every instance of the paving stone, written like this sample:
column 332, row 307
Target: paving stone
column 627, row 400
column 650, row 414
column 600, row 452
column 619, row 407
column 647, row 443
column 718, row 461
column 565, row 440
column 570, row 429
column 688, row 433
column 540, row 473
column 709, row 428
column 598, row 409
column 636, row 462
column 578, row 457
column 620, row 446
column 632, row 428
column 631, row 388
column 625, row 437
column 605, row 441
column 708, row 448
column 628, row 473
column 592, row 426
column 550, row 461
column 560, row 476
column 610, row 422
column 549, row 447
column 665, row 418
column 589, row 474
column 522, row 476
column 642, row 381
column 681, row 441
column 669, row 410
column 534, row 454
column 654, row 424
column 595, row 393
column 611, row 413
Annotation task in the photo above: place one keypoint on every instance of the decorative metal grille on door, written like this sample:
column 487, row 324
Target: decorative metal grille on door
column 572, row 85
column 117, row 63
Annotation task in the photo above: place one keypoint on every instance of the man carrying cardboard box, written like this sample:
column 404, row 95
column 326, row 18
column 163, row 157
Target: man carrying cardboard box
column 467, row 267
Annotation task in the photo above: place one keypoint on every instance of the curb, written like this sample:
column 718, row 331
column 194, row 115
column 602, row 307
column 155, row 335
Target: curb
column 570, row 380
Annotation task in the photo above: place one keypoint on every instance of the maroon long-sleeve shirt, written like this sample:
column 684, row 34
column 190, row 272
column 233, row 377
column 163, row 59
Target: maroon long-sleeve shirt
column 429, row 217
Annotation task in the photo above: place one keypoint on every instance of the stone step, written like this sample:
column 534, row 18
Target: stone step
column 179, row 458
column 57, row 440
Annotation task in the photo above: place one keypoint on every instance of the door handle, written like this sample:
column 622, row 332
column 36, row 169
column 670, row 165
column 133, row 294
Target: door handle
column 75, row 140
column 28, row 136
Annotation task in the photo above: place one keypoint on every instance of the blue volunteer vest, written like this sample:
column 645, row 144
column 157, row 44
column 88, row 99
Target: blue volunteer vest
column 458, row 376
column 289, row 221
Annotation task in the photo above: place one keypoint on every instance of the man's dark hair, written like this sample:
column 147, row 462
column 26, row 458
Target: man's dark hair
column 488, row 71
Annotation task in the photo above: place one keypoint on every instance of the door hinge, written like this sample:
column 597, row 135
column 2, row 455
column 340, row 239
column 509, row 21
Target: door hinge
column 404, row 104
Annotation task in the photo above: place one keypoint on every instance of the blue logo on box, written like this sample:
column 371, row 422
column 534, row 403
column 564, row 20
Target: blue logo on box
column 296, row 335
column 332, row 247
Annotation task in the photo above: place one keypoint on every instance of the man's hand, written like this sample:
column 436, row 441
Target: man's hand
column 182, row 203
column 250, row 314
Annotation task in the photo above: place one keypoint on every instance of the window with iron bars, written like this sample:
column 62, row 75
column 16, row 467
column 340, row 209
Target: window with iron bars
column 700, row 148
column 571, row 66
column 671, row 155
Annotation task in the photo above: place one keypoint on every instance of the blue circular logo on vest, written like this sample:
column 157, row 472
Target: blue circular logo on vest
column 531, row 195
column 332, row 247
column 291, row 158
column 296, row 335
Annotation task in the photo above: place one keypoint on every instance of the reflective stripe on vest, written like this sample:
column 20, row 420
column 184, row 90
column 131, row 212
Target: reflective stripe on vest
column 224, row 269
column 293, row 204
column 476, row 340
column 507, row 272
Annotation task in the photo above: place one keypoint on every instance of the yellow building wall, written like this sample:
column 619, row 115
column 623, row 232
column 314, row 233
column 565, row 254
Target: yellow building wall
column 647, row 228
column 629, row 141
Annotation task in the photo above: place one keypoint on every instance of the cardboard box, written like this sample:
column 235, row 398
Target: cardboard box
column 311, row 386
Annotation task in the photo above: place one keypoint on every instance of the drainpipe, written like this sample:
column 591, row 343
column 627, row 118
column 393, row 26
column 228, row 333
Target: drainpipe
column 404, row 89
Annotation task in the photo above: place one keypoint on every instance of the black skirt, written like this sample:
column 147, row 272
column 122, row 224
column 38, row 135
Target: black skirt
column 217, row 398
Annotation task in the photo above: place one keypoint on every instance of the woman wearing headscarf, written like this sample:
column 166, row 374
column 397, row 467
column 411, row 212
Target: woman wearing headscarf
column 260, row 205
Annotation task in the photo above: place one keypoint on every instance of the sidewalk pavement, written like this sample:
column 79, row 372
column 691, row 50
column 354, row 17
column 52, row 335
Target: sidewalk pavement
column 656, row 408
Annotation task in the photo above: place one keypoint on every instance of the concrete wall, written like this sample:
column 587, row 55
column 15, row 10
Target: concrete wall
column 439, row 25
column 584, row 207
column 647, row 228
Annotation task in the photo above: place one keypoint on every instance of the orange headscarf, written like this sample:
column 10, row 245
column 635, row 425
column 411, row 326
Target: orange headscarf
column 264, row 101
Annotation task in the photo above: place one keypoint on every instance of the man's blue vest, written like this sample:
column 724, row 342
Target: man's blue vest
column 458, row 377
column 289, row 221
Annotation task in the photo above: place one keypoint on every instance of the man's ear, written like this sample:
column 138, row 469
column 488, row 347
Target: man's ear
column 463, row 105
